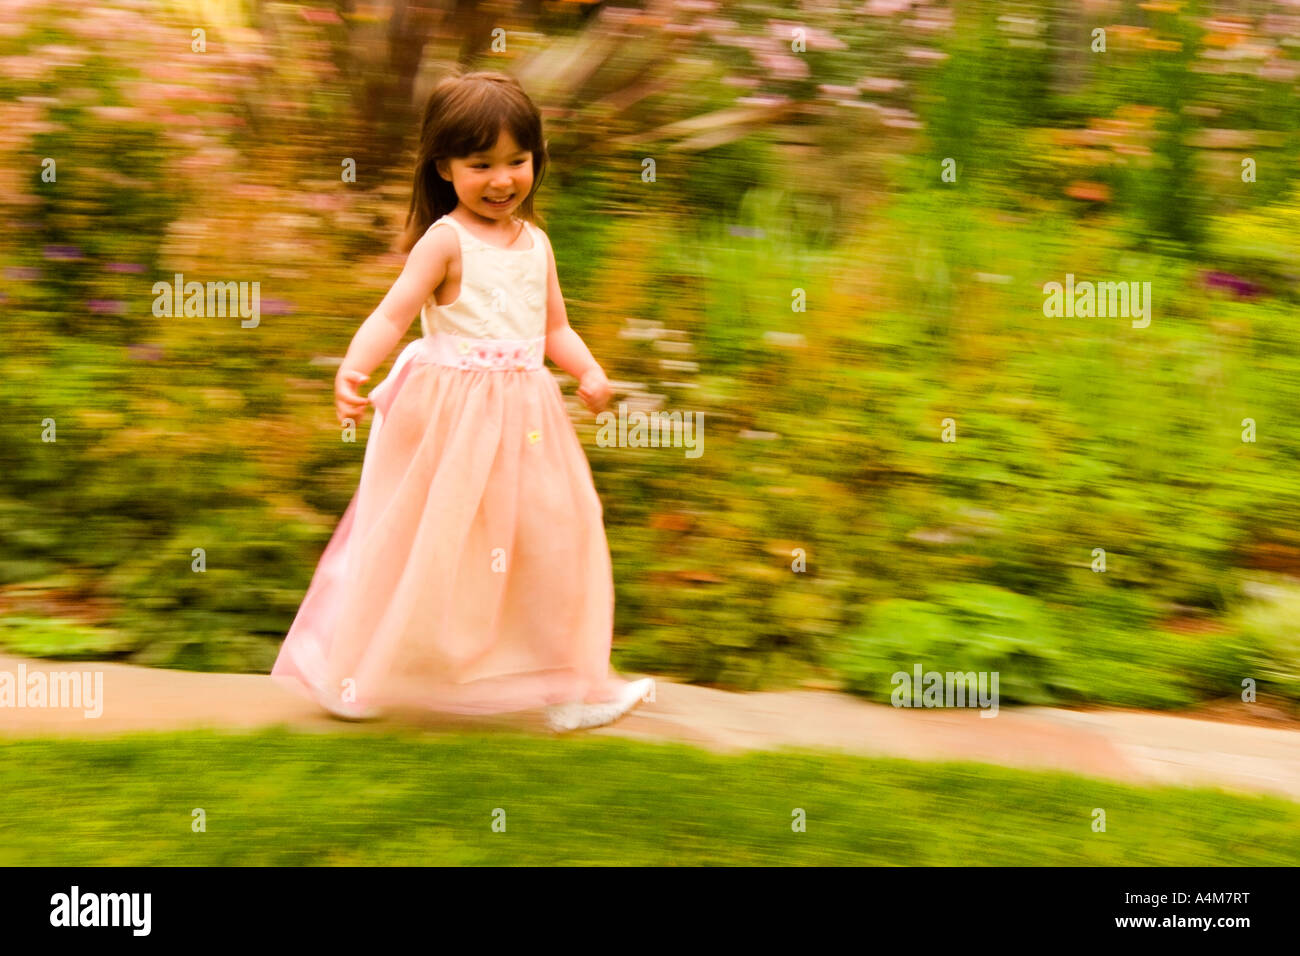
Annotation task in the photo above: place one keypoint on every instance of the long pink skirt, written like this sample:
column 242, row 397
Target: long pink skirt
column 470, row 572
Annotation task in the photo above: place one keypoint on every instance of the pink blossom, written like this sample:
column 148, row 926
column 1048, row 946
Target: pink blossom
column 764, row 99
column 879, row 84
column 815, row 38
column 119, row 114
column 885, row 8
column 716, row 24
column 313, row 15
column 831, row 89
column 782, row 65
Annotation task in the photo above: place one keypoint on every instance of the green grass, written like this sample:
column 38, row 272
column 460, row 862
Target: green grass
column 367, row 798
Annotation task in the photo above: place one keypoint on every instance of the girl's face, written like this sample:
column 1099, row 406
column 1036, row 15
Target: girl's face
column 504, row 172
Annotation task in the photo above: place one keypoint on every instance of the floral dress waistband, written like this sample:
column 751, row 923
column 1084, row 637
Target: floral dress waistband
column 457, row 351
column 494, row 355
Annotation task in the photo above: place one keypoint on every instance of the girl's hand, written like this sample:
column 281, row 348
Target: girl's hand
column 594, row 390
column 348, row 402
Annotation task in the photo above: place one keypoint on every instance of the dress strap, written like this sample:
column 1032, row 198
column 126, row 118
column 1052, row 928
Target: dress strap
column 479, row 243
column 465, row 234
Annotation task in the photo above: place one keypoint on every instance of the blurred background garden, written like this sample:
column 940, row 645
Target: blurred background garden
column 798, row 146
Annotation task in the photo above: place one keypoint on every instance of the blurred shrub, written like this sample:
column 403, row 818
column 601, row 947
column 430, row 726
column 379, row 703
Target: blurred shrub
column 775, row 173
column 1267, row 632
column 961, row 627
column 1109, row 649
column 58, row 638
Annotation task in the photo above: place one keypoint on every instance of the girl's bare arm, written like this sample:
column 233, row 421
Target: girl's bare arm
column 426, row 267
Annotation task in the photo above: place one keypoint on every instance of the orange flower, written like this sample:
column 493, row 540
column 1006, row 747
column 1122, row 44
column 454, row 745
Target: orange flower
column 1095, row 192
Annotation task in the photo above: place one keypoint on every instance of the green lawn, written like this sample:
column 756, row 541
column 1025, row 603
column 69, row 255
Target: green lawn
column 281, row 798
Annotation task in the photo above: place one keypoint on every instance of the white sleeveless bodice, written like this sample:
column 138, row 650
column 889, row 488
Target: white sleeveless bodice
column 502, row 291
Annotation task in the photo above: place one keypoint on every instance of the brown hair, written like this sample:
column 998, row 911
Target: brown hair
column 464, row 115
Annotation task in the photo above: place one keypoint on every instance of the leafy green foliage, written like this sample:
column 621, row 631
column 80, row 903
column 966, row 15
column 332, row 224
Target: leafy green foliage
column 921, row 303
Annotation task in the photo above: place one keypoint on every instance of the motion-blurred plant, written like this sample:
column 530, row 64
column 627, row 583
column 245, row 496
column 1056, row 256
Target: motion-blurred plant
column 798, row 150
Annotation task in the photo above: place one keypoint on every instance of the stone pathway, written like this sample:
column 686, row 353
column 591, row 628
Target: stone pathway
column 1132, row 747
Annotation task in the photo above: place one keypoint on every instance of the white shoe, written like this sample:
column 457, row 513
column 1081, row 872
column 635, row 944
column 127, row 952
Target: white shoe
column 347, row 711
column 562, row 717
column 583, row 716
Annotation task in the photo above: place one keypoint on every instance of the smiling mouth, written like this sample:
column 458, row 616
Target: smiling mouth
column 499, row 202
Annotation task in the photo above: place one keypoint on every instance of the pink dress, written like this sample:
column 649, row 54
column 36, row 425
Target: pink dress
column 470, row 572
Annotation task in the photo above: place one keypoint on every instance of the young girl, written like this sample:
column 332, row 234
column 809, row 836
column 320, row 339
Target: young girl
column 470, row 573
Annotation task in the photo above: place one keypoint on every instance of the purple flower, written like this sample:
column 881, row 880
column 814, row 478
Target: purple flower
column 145, row 352
column 23, row 272
column 125, row 267
column 106, row 305
column 276, row 307
column 62, row 252
column 1242, row 288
